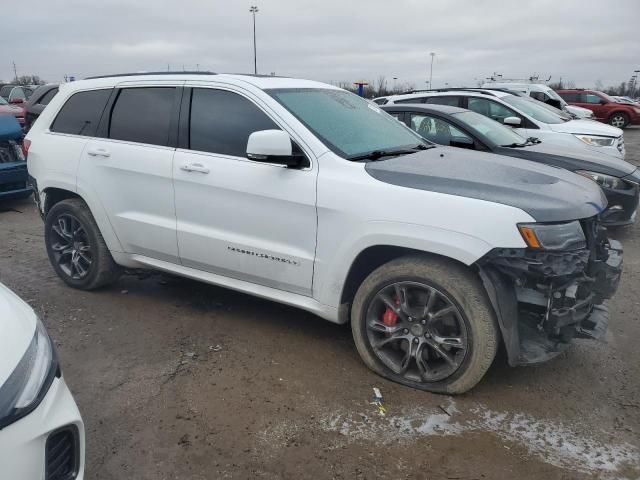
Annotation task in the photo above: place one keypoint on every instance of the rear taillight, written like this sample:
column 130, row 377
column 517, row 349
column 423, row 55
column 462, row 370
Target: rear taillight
column 25, row 147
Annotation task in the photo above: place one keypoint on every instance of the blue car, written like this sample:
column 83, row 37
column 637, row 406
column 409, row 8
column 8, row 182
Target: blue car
column 13, row 167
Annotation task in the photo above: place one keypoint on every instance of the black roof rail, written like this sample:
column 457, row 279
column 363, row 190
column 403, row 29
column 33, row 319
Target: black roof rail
column 137, row 74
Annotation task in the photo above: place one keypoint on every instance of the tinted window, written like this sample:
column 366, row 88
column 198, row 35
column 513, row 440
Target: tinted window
column 46, row 98
column 436, row 129
column 81, row 114
column 5, row 91
column 570, row 97
column 222, row 121
column 142, row 115
column 410, row 100
column 451, row 101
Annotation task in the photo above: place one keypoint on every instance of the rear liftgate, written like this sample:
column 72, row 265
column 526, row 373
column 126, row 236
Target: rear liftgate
column 544, row 299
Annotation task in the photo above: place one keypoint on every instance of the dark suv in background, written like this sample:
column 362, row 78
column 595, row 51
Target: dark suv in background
column 39, row 99
column 604, row 108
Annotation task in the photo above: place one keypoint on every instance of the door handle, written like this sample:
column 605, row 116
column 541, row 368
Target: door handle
column 195, row 167
column 98, row 152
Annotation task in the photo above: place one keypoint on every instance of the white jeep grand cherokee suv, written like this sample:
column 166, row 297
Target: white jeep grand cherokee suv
column 306, row 194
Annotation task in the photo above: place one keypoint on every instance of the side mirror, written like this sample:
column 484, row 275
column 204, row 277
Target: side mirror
column 603, row 102
column 16, row 100
column 512, row 121
column 274, row 146
column 461, row 142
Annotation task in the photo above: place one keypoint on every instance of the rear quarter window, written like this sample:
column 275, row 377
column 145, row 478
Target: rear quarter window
column 81, row 113
column 46, row 98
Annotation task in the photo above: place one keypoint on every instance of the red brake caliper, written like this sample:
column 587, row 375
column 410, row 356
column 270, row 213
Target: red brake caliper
column 389, row 317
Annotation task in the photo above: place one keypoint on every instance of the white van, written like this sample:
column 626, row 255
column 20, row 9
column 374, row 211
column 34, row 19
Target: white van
column 545, row 94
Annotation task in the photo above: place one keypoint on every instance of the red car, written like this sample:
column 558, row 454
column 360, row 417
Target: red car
column 16, row 110
column 604, row 108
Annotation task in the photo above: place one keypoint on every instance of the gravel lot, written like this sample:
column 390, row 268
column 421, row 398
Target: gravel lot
column 181, row 380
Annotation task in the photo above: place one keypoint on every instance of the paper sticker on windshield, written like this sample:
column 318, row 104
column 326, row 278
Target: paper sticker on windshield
column 374, row 108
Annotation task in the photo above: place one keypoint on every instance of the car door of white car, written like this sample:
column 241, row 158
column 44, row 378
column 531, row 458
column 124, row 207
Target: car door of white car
column 237, row 217
column 128, row 167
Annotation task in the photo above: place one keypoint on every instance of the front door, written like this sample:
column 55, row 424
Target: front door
column 236, row 217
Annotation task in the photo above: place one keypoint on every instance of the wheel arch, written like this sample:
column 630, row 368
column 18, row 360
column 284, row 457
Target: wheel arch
column 371, row 258
column 51, row 195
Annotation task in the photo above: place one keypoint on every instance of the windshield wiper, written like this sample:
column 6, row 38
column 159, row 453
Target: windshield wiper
column 530, row 141
column 376, row 154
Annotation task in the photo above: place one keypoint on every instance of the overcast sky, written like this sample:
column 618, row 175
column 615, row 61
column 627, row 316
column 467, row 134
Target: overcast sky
column 328, row 40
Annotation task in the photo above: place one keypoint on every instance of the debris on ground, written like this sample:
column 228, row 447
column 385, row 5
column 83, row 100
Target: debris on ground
column 378, row 401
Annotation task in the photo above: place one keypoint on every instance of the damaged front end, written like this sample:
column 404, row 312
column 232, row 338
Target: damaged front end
column 546, row 297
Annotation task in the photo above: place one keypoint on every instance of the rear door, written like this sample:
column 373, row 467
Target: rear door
column 237, row 217
column 128, row 166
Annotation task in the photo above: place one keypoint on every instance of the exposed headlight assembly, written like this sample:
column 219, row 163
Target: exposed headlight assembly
column 29, row 382
column 553, row 236
column 603, row 180
column 596, row 141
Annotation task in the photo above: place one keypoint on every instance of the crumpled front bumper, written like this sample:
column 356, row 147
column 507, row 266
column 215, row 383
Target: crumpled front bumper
column 544, row 300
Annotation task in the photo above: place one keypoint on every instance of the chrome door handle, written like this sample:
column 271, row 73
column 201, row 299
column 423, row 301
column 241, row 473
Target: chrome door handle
column 98, row 152
column 195, row 167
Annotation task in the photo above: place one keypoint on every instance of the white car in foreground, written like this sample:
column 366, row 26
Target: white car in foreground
column 527, row 116
column 41, row 431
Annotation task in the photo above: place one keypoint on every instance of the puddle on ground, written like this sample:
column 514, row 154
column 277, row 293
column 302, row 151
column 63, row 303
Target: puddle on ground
column 553, row 442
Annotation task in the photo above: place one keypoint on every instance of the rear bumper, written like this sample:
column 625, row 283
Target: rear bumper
column 544, row 300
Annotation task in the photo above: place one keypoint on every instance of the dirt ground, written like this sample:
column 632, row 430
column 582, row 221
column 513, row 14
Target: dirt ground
column 181, row 380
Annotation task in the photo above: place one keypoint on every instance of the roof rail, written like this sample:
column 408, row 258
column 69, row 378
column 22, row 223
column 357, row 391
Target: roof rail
column 456, row 89
column 137, row 74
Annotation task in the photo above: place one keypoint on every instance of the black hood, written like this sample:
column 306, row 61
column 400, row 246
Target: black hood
column 570, row 158
column 548, row 194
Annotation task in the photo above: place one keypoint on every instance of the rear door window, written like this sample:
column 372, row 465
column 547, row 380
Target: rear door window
column 46, row 98
column 142, row 115
column 444, row 100
column 81, row 113
column 570, row 97
column 221, row 122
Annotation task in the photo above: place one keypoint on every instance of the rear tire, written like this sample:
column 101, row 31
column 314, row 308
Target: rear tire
column 76, row 249
column 469, row 329
column 619, row 120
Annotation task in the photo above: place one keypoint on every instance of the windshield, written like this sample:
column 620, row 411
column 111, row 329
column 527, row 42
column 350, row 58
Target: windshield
column 536, row 110
column 3, row 101
column 494, row 131
column 349, row 125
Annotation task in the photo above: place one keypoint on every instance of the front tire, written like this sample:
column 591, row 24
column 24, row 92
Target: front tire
column 75, row 246
column 619, row 120
column 425, row 322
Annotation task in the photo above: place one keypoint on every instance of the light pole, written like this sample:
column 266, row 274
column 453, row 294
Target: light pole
column 254, row 10
column 395, row 82
column 433, row 54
